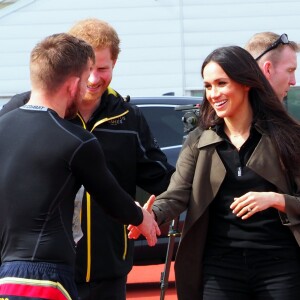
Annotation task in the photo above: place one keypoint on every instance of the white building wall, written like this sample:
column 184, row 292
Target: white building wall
column 163, row 42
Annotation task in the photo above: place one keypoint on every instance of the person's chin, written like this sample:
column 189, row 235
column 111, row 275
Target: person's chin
column 92, row 97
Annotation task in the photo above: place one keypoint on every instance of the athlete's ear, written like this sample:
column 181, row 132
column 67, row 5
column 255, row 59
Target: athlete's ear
column 73, row 85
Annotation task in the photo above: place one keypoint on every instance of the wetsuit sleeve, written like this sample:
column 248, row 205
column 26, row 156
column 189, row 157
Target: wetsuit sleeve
column 16, row 101
column 89, row 165
column 154, row 171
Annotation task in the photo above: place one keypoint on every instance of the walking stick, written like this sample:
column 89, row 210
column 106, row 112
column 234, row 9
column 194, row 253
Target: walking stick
column 172, row 234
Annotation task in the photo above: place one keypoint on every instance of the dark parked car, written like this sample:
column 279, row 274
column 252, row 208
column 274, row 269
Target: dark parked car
column 170, row 118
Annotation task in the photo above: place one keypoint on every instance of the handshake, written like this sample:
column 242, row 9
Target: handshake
column 148, row 228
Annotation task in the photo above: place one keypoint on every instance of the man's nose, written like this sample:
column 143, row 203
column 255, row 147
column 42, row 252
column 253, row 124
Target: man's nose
column 93, row 78
column 293, row 79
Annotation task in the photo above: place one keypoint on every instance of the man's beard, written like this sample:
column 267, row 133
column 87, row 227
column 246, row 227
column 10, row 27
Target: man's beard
column 72, row 110
column 92, row 97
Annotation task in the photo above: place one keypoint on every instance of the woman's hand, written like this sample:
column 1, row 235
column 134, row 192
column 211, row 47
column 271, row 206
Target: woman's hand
column 253, row 202
column 134, row 231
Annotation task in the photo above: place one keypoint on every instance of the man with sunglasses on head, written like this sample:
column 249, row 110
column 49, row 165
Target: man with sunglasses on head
column 276, row 55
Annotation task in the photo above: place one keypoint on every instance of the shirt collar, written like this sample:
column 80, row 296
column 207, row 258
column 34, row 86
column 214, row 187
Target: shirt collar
column 215, row 134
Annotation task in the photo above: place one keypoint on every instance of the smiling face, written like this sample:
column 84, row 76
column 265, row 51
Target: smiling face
column 228, row 98
column 101, row 75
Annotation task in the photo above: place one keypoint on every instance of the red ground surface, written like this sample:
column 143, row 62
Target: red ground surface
column 144, row 283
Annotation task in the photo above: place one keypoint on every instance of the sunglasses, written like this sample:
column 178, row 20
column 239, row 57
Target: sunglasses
column 283, row 39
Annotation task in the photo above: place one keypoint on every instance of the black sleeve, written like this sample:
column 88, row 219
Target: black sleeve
column 16, row 101
column 154, row 171
column 89, row 165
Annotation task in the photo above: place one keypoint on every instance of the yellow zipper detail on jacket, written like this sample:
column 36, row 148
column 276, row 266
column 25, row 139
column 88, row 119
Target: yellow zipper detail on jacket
column 88, row 207
column 88, row 238
column 82, row 121
column 125, row 243
column 108, row 119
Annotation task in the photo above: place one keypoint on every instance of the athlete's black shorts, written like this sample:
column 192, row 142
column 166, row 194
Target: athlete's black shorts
column 37, row 280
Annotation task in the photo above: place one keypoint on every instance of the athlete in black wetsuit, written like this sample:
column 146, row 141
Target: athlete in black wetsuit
column 41, row 171
column 41, row 183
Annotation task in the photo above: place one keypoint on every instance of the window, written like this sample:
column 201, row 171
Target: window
column 197, row 93
column 165, row 123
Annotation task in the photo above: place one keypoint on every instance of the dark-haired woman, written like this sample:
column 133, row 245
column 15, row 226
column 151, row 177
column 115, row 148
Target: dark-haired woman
column 238, row 176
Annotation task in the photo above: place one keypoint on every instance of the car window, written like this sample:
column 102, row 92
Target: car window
column 165, row 123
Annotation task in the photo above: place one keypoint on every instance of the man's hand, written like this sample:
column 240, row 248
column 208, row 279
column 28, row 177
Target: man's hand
column 149, row 227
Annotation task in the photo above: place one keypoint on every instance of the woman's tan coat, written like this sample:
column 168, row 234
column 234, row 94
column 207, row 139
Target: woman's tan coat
column 198, row 177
